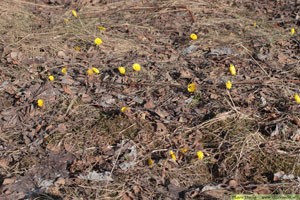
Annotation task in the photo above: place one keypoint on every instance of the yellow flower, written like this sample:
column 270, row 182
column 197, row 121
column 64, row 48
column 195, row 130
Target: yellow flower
column 150, row 161
column 95, row 70
column 74, row 13
column 172, row 155
column 102, row 28
column 40, row 102
column 228, row 85
column 136, row 67
column 66, row 20
column 239, row 197
column 191, row 87
column 122, row 70
column 51, row 78
column 64, row 70
column 297, row 98
column 98, row 41
column 232, row 69
column 194, row 36
column 200, row 155
column 89, row 72
column 254, row 24
column 292, row 31
column 77, row 48
column 123, row 109
column 183, row 150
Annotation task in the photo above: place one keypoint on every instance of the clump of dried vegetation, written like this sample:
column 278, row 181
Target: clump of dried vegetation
column 109, row 135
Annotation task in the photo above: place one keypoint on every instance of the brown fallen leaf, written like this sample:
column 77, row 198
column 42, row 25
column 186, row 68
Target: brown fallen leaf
column 136, row 189
column 282, row 58
column 86, row 98
column 126, row 197
column 262, row 190
column 278, row 175
column 219, row 193
column 4, row 163
column 9, row 180
column 161, row 113
column 149, row 105
column 161, row 129
column 175, row 190
column 185, row 74
column 297, row 120
column 233, row 183
column 67, row 90
column 60, row 181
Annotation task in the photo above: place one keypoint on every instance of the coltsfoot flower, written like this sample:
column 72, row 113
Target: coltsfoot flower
column 122, row 70
column 123, row 109
column 95, row 70
column 194, row 36
column 191, row 87
column 64, row 70
column 297, row 98
column 89, row 72
column 232, row 69
column 173, row 155
column 228, row 85
column 150, row 161
column 51, row 78
column 98, row 41
column 183, row 150
column 200, row 155
column 292, row 31
column 74, row 13
column 40, row 102
column 101, row 28
column 136, row 67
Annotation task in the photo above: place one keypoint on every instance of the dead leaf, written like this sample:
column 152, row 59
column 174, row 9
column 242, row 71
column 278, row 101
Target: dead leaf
column 185, row 74
column 9, row 180
column 175, row 190
column 282, row 58
column 86, row 98
column 149, row 105
column 297, row 120
column 218, row 194
column 136, row 189
column 60, row 181
column 214, row 96
column 233, row 183
column 4, row 163
column 161, row 113
column 61, row 128
column 161, row 129
column 262, row 190
column 53, row 147
column 67, row 90
column 126, row 197
column 278, row 175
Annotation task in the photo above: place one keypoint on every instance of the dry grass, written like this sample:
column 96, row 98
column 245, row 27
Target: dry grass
column 231, row 132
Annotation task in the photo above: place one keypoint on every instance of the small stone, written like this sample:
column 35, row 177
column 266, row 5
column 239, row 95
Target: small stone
column 61, row 54
column 14, row 55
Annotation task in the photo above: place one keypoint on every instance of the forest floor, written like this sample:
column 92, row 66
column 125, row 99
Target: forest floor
column 143, row 134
